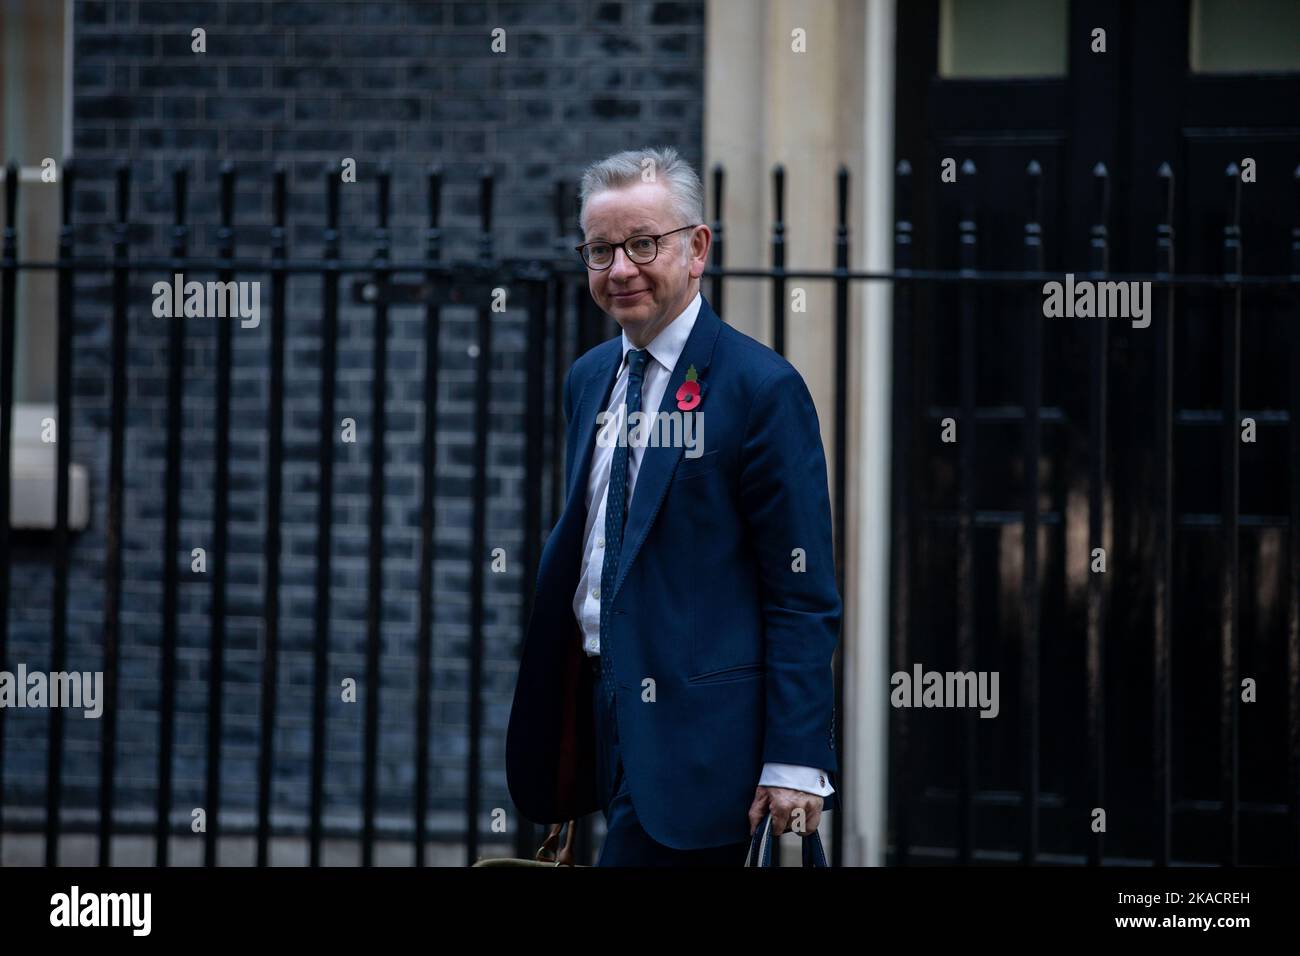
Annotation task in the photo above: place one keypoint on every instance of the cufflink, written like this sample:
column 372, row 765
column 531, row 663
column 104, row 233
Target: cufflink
column 821, row 780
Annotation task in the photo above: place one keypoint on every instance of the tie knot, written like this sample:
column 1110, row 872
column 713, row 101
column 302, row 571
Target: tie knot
column 636, row 359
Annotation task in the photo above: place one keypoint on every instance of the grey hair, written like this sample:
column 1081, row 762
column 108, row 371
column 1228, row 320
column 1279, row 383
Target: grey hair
column 628, row 168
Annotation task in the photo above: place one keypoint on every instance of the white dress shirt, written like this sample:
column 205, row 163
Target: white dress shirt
column 664, row 350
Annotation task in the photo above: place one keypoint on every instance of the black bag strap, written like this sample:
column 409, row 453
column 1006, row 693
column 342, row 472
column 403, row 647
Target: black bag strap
column 760, row 846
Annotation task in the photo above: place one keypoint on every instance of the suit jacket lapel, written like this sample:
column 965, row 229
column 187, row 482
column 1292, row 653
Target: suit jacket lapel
column 594, row 398
column 658, row 463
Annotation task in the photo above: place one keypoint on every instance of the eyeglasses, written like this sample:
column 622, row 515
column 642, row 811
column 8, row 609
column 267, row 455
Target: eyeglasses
column 642, row 250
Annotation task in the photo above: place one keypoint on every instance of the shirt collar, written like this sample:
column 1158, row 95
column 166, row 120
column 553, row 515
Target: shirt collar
column 667, row 346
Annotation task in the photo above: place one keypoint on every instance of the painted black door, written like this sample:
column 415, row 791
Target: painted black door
column 1120, row 691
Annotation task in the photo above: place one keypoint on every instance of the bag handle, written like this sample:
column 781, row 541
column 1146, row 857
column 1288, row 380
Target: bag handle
column 760, row 847
column 565, row 855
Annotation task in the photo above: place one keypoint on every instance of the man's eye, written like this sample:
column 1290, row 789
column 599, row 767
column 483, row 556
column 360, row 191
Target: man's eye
column 643, row 244
column 599, row 251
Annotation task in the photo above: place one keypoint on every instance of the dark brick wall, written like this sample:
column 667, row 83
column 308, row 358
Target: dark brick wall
column 305, row 84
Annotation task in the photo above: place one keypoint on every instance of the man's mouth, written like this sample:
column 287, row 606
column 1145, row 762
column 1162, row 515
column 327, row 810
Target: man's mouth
column 627, row 296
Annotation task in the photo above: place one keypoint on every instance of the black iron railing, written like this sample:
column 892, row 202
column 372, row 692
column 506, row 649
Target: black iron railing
column 561, row 323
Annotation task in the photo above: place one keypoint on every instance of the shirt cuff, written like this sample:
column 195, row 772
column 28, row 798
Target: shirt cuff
column 807, row 779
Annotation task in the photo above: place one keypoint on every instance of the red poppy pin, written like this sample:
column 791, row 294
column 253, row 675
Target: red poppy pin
column 688, row 396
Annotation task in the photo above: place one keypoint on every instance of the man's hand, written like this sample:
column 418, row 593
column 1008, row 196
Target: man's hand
column 783, row 803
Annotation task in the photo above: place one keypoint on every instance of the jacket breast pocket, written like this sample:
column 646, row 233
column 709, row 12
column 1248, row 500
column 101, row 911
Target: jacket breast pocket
column 695, row 467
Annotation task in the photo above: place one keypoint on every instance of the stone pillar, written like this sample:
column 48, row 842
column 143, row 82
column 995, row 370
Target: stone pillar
column 809, row 84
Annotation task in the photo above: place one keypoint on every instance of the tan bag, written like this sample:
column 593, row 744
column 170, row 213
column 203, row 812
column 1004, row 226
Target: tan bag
column 547, row 854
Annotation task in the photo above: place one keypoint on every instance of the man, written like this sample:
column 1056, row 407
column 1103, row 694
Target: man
column 676, row 672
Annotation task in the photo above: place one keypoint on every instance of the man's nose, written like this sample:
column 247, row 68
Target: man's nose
column 627, row 266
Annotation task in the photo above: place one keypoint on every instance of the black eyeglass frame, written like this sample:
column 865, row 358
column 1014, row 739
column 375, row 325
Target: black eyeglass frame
column 640, row 235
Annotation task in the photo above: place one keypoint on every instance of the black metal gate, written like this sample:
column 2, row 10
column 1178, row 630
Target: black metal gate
column 1110, row 671
column 1122, row 690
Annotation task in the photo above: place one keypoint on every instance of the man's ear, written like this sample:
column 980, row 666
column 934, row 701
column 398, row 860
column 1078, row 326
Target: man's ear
column 700, row 260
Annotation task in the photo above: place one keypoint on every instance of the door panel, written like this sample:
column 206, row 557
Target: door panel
column 1131, row 108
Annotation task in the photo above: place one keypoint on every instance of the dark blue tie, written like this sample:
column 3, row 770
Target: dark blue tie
column 616, row 518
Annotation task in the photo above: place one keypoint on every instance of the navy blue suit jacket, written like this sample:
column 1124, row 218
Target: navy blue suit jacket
column 708, row 603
